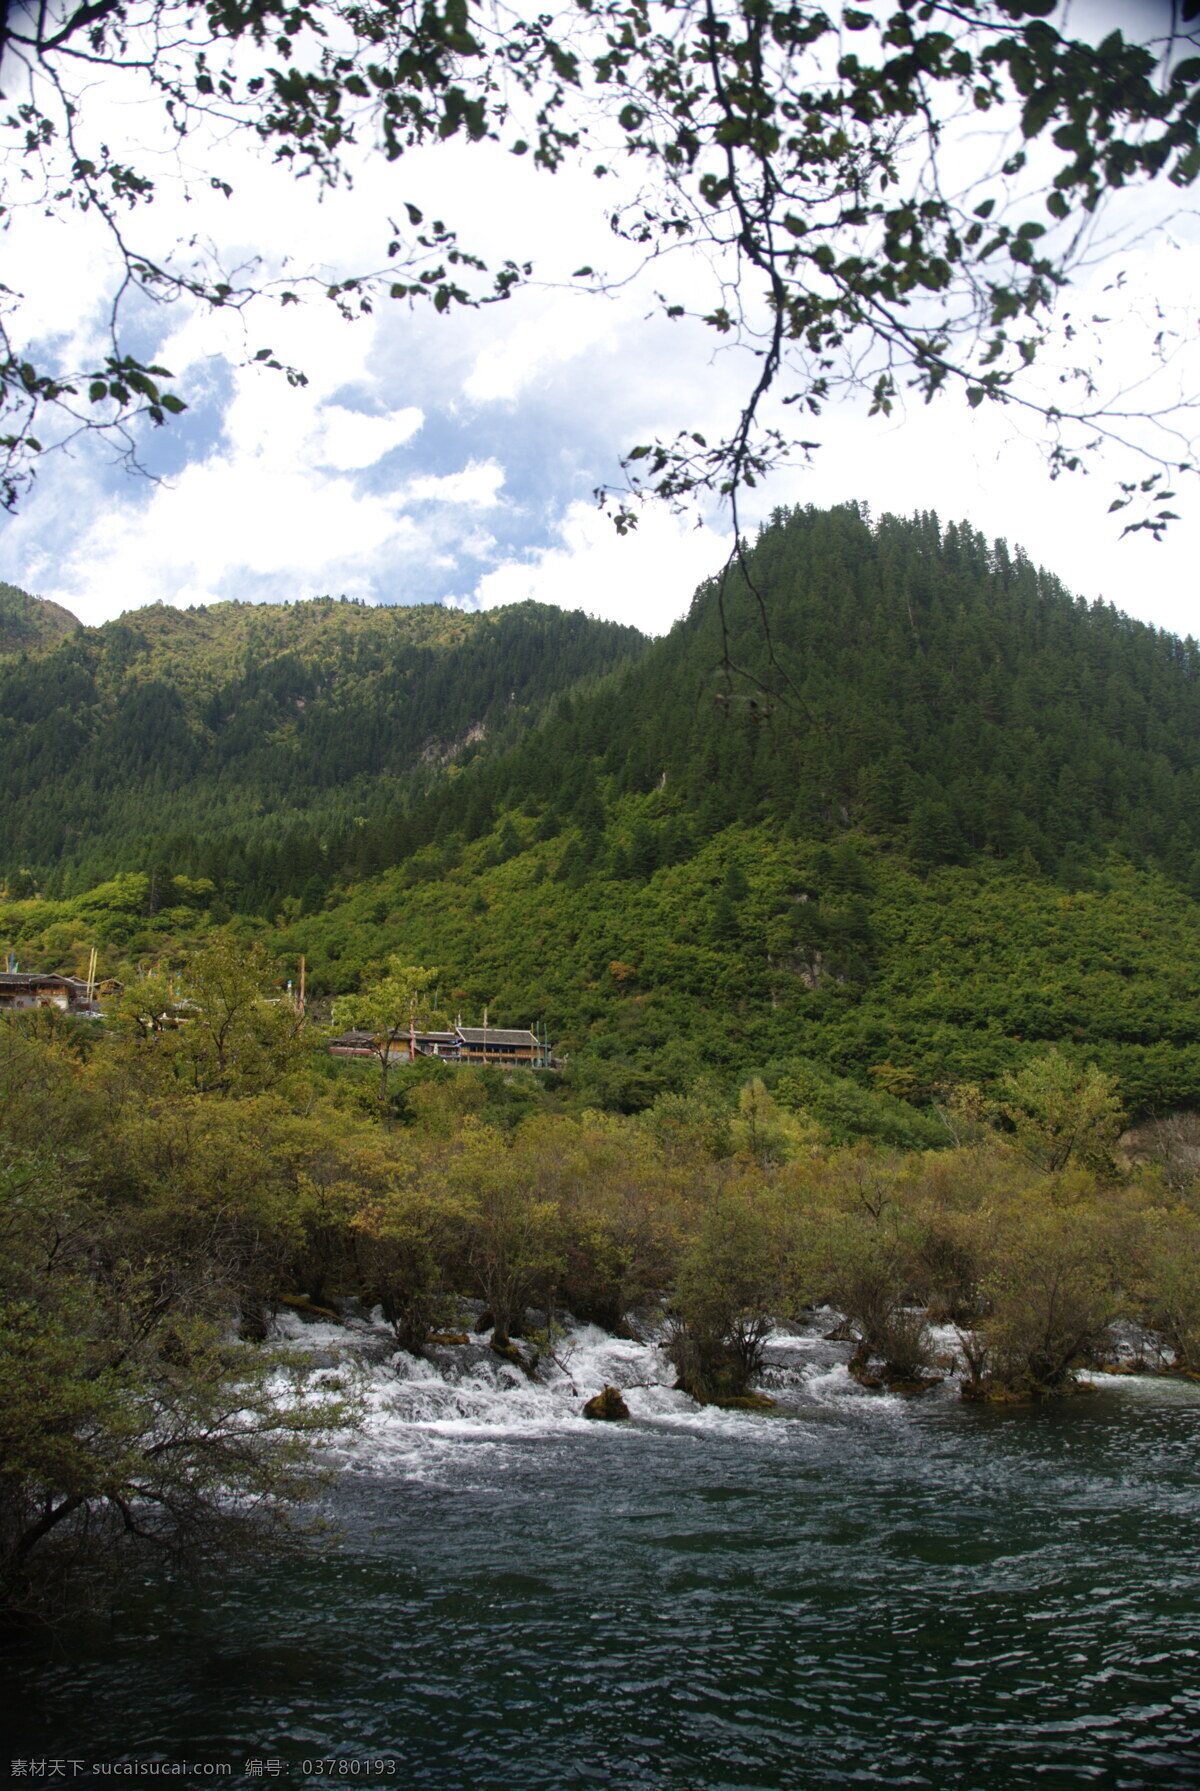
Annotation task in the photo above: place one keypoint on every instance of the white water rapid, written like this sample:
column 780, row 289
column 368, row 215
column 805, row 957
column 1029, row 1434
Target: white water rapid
column 414, row 1408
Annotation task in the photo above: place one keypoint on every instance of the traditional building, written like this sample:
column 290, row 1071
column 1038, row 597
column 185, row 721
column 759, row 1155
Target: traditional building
column 496, row 1044
column 502, row 1046
column 24, row 989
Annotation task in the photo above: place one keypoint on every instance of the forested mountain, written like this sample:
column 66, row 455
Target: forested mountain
column 904, row 678
column 889, row 809
column 31, row 624
column 911, row 680
column 272, row 720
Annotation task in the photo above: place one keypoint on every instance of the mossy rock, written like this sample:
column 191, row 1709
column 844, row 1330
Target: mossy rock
column 991, row 1392
column 507, row 1350
column 449, row 1339
column 886, row 1377
column 607, row 1405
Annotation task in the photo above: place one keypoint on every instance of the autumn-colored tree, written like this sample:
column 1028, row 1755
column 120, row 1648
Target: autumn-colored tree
column 128, row 1422
column 1055, row 1281
column 728, row 1290
column 409, row 1227
column 233, row 1036
column 513, row 1237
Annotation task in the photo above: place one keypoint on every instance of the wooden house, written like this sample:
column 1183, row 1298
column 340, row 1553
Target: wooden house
column 21, row 990
column 502, row 1046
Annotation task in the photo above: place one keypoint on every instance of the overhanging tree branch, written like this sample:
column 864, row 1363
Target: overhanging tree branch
column 803, row 154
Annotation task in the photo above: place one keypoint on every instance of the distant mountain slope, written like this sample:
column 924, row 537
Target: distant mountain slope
column 31, row 624
column 940, row 695
column 264, row 717
column 837, row 969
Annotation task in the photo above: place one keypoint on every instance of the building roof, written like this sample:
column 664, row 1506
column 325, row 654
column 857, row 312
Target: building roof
column 495, row 1035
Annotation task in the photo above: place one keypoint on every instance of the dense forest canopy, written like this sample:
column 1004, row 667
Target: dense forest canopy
column 903, row 677
column 914, row 680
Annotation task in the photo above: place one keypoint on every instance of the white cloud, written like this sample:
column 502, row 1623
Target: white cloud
column 477, row 486
column 645, row 578
column 563, row 329
column 349, row 440
column 271, row 510
column 225, row 520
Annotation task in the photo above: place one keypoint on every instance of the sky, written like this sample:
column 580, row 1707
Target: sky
column 454, row 459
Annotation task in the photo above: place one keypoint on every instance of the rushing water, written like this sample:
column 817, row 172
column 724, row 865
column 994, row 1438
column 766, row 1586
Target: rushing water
column 854, row 1590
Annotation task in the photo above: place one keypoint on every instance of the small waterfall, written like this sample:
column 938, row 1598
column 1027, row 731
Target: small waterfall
column 415, row 1406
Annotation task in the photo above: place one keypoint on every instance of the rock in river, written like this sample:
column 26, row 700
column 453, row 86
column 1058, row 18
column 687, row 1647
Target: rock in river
column 607, row 1404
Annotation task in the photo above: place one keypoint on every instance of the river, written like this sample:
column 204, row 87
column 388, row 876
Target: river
column 855, row 1589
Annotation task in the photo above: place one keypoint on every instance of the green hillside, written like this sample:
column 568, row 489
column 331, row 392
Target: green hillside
column 891, row 811
column 758, row 952
column 762, row 949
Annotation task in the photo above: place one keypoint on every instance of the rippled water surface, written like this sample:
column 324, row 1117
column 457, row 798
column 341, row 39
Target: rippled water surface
column 855, row 1590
